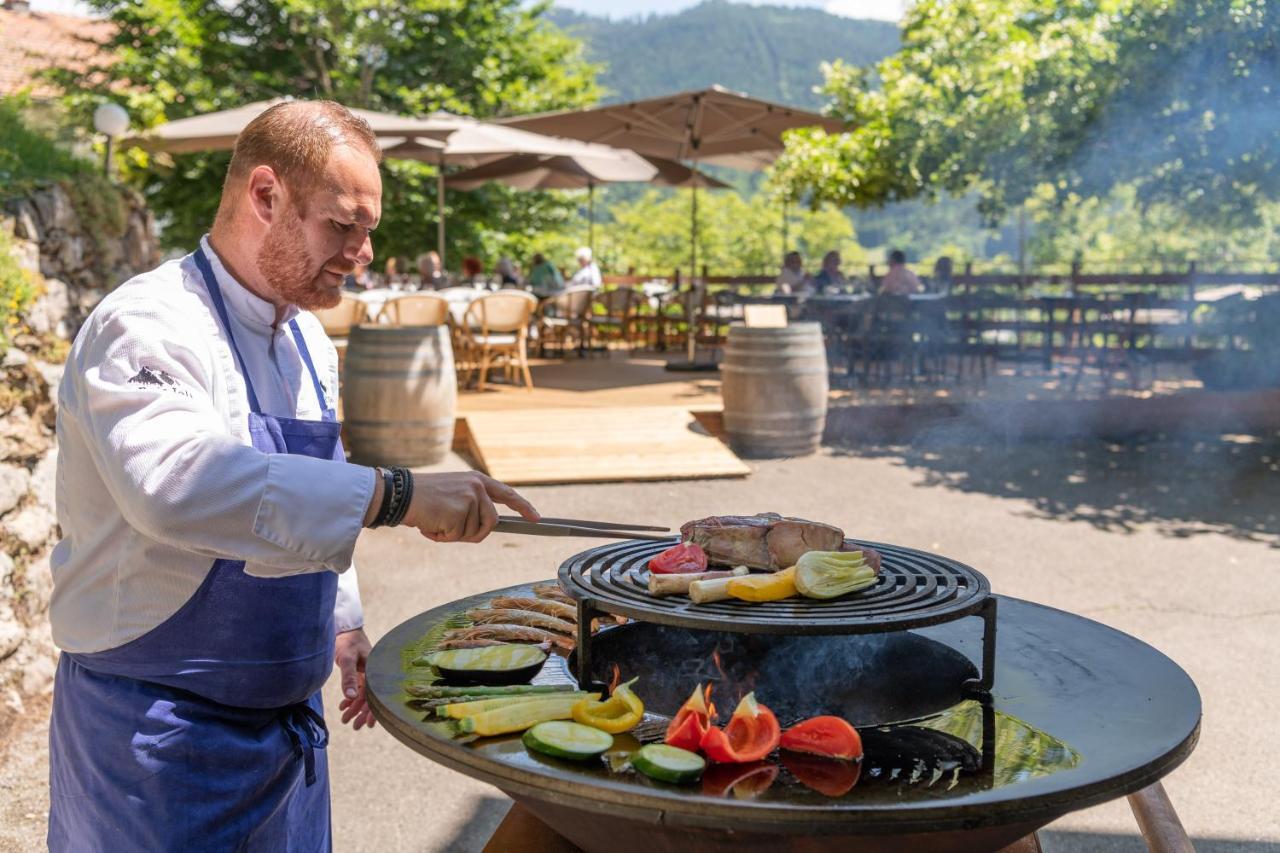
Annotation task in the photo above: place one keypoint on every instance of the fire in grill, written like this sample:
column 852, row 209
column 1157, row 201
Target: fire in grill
column 1076, row 713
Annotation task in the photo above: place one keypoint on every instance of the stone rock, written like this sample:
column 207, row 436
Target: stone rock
column 49, row 313
column 27, row 254
column 32, row 526
column 38, row 583
column 15, row 357
column 12, row 632
column 15, row 482
column 88, row 297
column 54, row 209
column 70, row 253
column 24, row 221
column 52, row 375
column 6, row 575
column 38, row 668
column 44, row 479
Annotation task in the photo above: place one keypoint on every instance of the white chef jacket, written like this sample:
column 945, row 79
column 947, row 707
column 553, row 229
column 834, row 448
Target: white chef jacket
column 157, row 476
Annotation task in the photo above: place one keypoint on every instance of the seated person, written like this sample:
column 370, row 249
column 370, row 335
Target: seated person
column 942, row 272
column 544, row 278
column 358, row 279
column 900, row 281
column 431, row 270
column 791, row 278
column 472, row 269
column 506, row 271
column 829, row 279
column 588, row 273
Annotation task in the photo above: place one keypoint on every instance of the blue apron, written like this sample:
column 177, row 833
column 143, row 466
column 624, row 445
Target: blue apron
column 207, row 732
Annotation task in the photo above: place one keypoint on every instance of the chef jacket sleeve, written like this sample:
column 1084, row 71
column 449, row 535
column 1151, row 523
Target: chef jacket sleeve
column 348, row 613
column 142, row 396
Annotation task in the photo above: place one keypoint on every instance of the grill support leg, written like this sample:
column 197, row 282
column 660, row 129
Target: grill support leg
column 586, row 613
column 982, row 686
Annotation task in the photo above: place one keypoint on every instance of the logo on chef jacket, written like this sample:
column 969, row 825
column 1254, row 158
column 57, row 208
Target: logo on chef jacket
column 154, row 378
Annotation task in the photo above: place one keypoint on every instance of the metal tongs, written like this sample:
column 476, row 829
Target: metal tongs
column 578, row 527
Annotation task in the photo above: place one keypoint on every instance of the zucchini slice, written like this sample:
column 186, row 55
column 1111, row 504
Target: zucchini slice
column 668, row 763
column 564, row 739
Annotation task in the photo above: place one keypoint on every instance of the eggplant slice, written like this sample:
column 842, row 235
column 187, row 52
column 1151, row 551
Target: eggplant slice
column 511, row 663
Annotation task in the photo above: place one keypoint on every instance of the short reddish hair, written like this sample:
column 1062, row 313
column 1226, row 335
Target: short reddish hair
column 295, row 139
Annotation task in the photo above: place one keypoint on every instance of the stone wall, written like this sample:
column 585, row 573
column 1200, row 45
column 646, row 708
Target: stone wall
column 77, row 266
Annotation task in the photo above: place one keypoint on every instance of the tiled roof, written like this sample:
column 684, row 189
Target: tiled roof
column 33, row 41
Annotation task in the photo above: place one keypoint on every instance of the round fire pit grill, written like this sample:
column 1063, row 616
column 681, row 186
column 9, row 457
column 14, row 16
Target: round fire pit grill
column 915, row 589
column 1126, row 712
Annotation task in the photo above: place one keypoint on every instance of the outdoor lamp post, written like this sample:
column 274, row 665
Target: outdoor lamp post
column 112, row 121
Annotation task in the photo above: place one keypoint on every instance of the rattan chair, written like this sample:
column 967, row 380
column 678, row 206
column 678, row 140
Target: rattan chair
column 418, row 309
column 339, row 320
column 561, row 316
column 612, row 317
column 496, row 327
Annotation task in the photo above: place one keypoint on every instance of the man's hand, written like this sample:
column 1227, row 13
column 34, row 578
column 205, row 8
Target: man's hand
column 352, row 650
column 460, row 507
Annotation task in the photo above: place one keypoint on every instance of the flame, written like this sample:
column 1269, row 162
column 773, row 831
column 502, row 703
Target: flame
column 715, row 657
column 617, row 678
column 711, row 706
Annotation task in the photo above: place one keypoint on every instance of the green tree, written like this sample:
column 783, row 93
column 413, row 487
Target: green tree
column 1175, row 97
column 736, row 235
column 176, row 58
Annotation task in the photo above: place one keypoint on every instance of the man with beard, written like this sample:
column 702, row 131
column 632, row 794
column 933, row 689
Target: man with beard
column 203, row 587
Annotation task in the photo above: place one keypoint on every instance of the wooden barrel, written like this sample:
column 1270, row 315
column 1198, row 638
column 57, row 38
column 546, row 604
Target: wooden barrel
column 399, row 394
column 774, row 384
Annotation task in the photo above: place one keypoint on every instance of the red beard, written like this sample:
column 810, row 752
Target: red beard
column 288, row 269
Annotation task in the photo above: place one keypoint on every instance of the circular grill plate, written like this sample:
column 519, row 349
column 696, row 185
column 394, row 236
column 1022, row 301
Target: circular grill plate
column 915, row 589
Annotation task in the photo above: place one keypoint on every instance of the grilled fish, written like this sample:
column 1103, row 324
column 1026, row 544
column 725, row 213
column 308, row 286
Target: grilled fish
column 510, row 634
column 528, row 618
column 549, row 606
column 765, row 541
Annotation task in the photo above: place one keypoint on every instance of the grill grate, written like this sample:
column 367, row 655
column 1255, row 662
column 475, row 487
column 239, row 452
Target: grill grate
column 915, row 589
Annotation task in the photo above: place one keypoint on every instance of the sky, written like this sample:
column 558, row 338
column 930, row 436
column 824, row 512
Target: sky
column 884, row 10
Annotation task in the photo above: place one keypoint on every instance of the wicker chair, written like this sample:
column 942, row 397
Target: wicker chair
column 561, row 315
column 496, row 327
column 419, row 309
column 616, row 319
column 339, row 320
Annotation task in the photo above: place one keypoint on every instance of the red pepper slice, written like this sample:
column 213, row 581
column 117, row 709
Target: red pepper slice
column 685, row 558
column 830, row 737
column 827, row 776
column 691, row 722
column 752, row 734
column 746, row 781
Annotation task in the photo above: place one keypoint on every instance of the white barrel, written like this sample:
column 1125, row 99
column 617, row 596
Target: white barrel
column 399, row 395
column 774, row 384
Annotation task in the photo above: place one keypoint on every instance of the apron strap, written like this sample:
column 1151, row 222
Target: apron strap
column 306, row 358
column 307, row 732
column 215, row 294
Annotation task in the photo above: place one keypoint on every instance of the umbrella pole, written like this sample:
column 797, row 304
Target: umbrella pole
column 591, row 217
column 691, row 343
column 784, row 226
column 440, row 212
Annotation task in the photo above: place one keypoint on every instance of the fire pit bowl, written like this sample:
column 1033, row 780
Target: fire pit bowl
column 1079, row 714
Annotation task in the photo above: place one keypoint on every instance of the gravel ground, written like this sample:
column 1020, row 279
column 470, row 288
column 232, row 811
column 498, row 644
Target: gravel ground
column 1172, row 541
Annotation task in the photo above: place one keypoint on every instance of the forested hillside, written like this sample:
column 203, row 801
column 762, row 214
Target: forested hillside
column 770, row 52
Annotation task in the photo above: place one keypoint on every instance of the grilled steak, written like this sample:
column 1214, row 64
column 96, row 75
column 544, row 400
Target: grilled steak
column 764, row 541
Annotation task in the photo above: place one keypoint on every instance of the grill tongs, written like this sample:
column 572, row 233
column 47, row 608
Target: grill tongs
column 579, row 527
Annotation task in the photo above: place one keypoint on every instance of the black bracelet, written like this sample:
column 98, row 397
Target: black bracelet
column 384, row 507
column 403, row 491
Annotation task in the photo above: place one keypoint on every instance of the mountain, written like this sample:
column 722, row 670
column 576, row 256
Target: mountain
column 771, row 52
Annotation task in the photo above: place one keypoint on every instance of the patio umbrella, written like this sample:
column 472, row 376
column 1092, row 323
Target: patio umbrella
column 217, row 131
column 715, row 126
column 586, row 169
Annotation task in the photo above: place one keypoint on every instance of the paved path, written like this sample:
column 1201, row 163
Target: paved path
column 1174, row 543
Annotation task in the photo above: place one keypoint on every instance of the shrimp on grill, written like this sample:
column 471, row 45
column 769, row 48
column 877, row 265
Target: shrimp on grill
column 484, row 615
column 553, row 592
column 549, row 606
column 510, row 634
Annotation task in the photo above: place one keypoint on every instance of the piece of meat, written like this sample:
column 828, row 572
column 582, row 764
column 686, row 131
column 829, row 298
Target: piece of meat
column 485, row 615
column 765, row 541
column 549, row 606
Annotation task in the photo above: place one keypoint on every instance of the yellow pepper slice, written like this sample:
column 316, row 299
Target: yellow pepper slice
column 621, row 712
column 774, row 587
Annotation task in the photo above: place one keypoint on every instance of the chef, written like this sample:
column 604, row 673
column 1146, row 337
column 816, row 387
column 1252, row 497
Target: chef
column 203, row 587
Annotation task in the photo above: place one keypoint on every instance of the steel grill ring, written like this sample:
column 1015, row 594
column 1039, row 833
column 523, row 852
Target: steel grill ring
column 915, row 588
